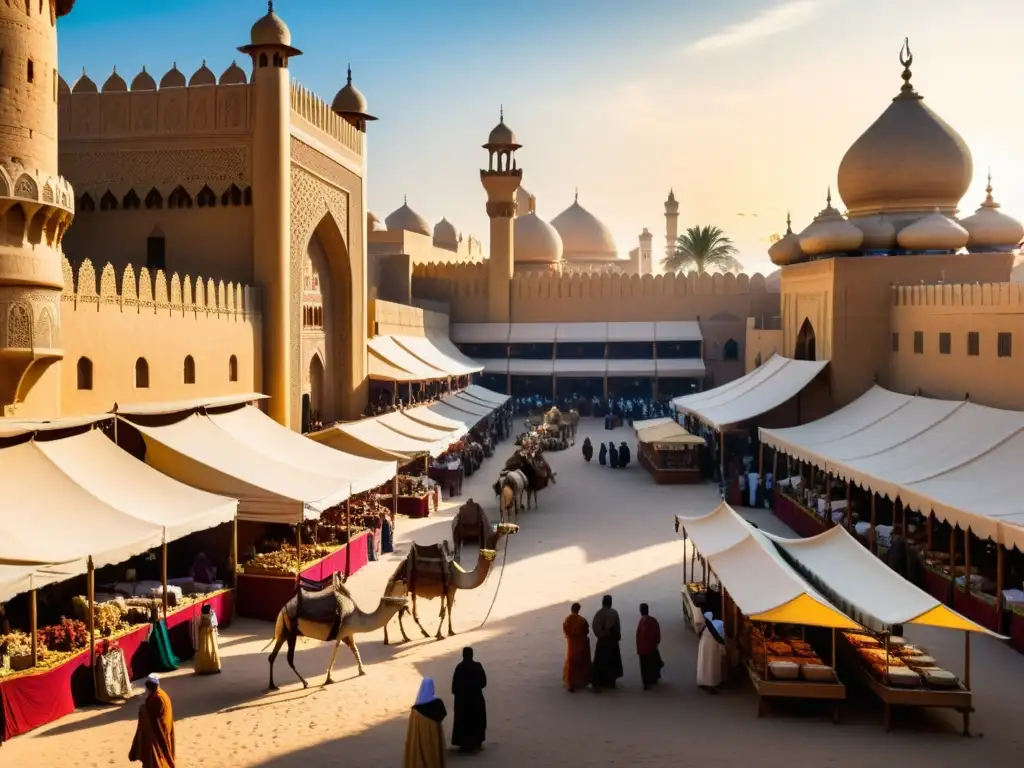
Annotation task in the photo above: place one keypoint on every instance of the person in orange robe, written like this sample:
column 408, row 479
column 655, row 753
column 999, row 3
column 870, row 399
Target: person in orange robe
column 154, row 736
column 576, row 671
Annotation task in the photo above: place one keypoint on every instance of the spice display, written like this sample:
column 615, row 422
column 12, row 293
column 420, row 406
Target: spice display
column 284, row 561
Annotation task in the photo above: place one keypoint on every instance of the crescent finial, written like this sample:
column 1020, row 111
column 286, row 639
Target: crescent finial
column 906, row 57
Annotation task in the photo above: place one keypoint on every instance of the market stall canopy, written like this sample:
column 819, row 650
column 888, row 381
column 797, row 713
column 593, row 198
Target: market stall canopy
column 468, row 404
column 18, row 427
column 18, row 579
column 497, row 366
column 760, row 581
column 429, row 350
column 677, row 330
column 184, row 406
column 766, row 387
column 374, row 433
column 581, row 332
column 402, row 424
column 645, row 423
column 424, row 415
column 399, row 357
column 532, row 333
column 468, row 420
column 865, row 587
column 255, row 429
column 953, row 458
column 381, row 370
column 199, row 453
column 626, row 368
column 668, row 434
column 487, row 395
column 582, row 367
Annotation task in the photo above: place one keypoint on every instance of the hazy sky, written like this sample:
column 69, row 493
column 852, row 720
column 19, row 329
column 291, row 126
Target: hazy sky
column 743, row 106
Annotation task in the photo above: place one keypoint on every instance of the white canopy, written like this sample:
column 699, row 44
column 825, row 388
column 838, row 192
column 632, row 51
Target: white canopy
column 761, row 390
column 866, row 588
column 255, row 429
column 452, row 362
column 397, row 356
column 399, row 422
column 467, row 419
column 199, row 453
column 626, row 368
column 452, row 352
column 468, row 404
column 683, row 367
column 182, row 406
column 532, row 333
column 645, row 423
column 581, row 367
column 580, row 332
column 16, row 427
column 677, row 330
column 499, row 366
column 518, row 366
column 18, row 579
column 482, row 393
column 761, row 583
column 380, row 369
column 374, row 433
column 424, row 415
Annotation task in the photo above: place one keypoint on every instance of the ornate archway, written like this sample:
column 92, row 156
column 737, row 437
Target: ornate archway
column 316, row 388
column 805, row 342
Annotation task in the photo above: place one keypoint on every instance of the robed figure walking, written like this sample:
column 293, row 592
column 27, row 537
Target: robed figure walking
column 602, row 455
column 648, row 638
column 711, row 653
column 607, row 666
column 153, row 745
column 470, row 724
column 588, row 450
column 613, row 455
column 576, row 670
column 424, row 736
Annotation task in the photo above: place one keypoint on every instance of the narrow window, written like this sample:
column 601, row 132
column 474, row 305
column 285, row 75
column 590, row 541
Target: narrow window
column 973, row 344
column 31, row 71
column 190, row 370
column 84, row 373
column 918, row 342
column 731, row 350
column 154, row 200
column 108, row 202
column 87, row 203
column 156, row 253
column 206, row 198
column 895, row 342
column 945, row 344
column 141, row 374
column 263, row 59
column 233, row 368
column 131, row 201
column 1004, row 344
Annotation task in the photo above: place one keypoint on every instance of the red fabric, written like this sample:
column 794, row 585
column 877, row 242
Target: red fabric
column 648, row 635
column 1017, row 631
column 412, row 506
column 976, row 609
column 796, row 517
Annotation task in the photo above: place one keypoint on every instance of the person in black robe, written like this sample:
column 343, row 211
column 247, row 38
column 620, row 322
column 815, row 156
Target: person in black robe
column 468, row 685
column 607, row 665
column 624, row 454
column 602, row 455
column 613, row 456
column 588, row 450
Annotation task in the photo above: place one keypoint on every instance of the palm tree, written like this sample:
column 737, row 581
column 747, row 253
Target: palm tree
column 702, row 250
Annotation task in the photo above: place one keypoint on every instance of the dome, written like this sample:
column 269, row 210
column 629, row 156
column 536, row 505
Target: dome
column 84, row 84
column 879, row 233
column 115, row 83
column 270, row 30
column 908, row 160
column 406, row 218
column 143, row 81
column 830, row 233
column 536, row 241
column 934, row 232
column 373, row 224
column 445, row 235
column 525, row 202
column 501, row 136
column 203, row 76
column 786, row 250
column 990, row 229
column 350, row 101
column 233, row 75
column 173, row 78
column 584, row 237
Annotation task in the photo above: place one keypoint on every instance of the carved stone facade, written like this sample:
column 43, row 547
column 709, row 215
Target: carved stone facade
column 501, row 210
column 29, row 319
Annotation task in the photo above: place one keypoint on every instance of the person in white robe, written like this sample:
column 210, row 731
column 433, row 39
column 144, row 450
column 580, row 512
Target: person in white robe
column 711, row 653
column 752, row 487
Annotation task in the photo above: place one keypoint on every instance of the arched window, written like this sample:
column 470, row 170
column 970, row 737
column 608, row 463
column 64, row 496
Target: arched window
column 206, row 198
column 86, row 203
column 190, row 370
column 232, row 196
column 131, row 201
column 233, row 368
column 805, row 342
column 154, row 199
column 179, row 198
column 141, row 374
column 731, row 350
column 108, row 202
column 263, row 59
column 84, row 373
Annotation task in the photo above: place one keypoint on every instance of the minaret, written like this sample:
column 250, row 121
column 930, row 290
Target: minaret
column 646, row 255
column 501, row 180
column 36, row 207
column 671, row 223
column 270, row 48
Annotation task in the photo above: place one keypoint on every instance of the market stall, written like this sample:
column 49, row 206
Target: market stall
column 765, row 606
column 670, row 453
column 418, row 496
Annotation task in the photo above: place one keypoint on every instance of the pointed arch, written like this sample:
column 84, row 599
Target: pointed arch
column 131, row 201
column 233, row 368
column 206, row 198
column 84, row 373
column 154, row 200
column 86, row 203
column 108, row 202
column 731, row 350
column 179, row 198
column 806, row 342
column 232, row 196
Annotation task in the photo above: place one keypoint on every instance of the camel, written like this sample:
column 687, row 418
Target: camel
column 430, row 571
column 326, row 614
column 537, row 471
column 516, row 483
column 507, row 504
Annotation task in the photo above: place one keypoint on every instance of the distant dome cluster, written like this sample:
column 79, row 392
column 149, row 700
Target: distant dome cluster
column 443, row 234
column 902, row 182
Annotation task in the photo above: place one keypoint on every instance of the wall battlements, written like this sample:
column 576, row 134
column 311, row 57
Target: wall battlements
column 317, row 112
column 155, row 294
column 978, row 296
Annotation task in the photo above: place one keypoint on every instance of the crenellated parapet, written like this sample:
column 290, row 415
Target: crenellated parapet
column 979, row 297
column 201, row 105
column 310, row 108
column 147, row 292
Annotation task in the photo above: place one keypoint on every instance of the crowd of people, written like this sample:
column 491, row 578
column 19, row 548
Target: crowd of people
column 608, row 454
column 626, row 408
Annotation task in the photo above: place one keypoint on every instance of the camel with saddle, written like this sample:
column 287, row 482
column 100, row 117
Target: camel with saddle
column 431, row 571
column 526, row 473
column 326, row 611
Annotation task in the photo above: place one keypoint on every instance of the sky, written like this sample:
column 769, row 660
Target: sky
column 741, row 106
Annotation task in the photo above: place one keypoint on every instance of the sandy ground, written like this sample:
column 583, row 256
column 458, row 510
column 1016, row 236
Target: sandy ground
column 597, row 531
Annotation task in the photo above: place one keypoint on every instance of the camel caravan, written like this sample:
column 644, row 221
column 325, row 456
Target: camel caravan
column 552, row 431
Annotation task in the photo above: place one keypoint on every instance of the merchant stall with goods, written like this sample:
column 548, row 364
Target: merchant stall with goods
column 929, row 485
column 725, row 417
column 670, row 453
column 87, row 543
column 777, row 627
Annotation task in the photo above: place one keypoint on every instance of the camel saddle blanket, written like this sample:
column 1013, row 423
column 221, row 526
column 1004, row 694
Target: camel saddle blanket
column 323, row 605
column 431, row 560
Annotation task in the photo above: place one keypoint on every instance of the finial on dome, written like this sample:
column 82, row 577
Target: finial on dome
column 576, row 196
column 405, row 199
column 828, row 197
column 350, row 73
column 989, row 200
column 789, row 224
column 907, row 59
column 270, row 6
column 501, row 113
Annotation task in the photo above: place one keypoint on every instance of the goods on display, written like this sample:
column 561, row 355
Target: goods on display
column 905, row 665
column 785, row 654
column 283, row 561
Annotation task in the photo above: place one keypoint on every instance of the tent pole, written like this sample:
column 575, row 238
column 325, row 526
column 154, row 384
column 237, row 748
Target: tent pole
column 967, row 561
column 163, row 571
column 298, row 552
column 92, row 622
column 828, row 501
column 849, row 509
column 394, row 504
column 33, row 621
column 234, row 563
column 928, row 532
column 872, row 544
column 1000, row 550
column 833, row 648
column 685, row 582
column 721, row 459
column 952, row 562
column 348, row 538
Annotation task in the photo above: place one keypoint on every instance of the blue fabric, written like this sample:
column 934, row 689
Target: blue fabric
column 426, row 693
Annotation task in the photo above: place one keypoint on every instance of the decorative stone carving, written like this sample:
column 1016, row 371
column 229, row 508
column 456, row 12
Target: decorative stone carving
column 187, row 297
column 320, row 164
column 108, row 284
column 501, row 210
column 175, row 290
column 160, row 289
column 44, row 330
column 200, row 300
column 86, row 284
column 19, row 327
column 26, row 187
column 211, row 294
column 69, row 276
column 145, row 286
column 143, row 169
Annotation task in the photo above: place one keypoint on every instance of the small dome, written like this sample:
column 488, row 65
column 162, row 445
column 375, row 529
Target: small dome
column 173, row 78
column 373, row 224
column 908, row 160
column 584, row 236
column 270, row 30
column 115, row 83
column 786, row 250
column 445, row 235
column 84, row 84
column 536, row 241
column 934, row 232
column 62, row 85
column 879, row 233
column 989, row 229
column 525, row 202
column 143, row 81
column 203, row 76
column 233, row 75
column 406, row 218
column 830, row 233
column 501, row 136
column 350, row 101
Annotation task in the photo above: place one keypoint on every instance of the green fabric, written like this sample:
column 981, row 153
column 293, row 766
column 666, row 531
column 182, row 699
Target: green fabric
column 161, row 642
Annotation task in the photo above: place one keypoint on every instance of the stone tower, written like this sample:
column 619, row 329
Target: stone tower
column 270, row 48
column 501, row 180
column 645, row 266
column 671, row 223
column 36, row 206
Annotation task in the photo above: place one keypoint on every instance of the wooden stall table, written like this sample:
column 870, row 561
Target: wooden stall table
column 798, row 517
column 795, row 689
column 419, row 506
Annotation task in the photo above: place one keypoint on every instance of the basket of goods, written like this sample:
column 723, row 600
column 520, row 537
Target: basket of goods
column 815, row 671
column 779, row 648
column 16, row 648
column 903, row 677
column 860, row 640
column 802, row 649
column 698, row 592
column 935, row 677
column 782, row 668
column 108, row 616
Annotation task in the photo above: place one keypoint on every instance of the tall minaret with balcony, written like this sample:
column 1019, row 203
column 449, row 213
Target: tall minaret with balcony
column 271, row 49
column 501, row 179
column 36, row 208
column 671, row 223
